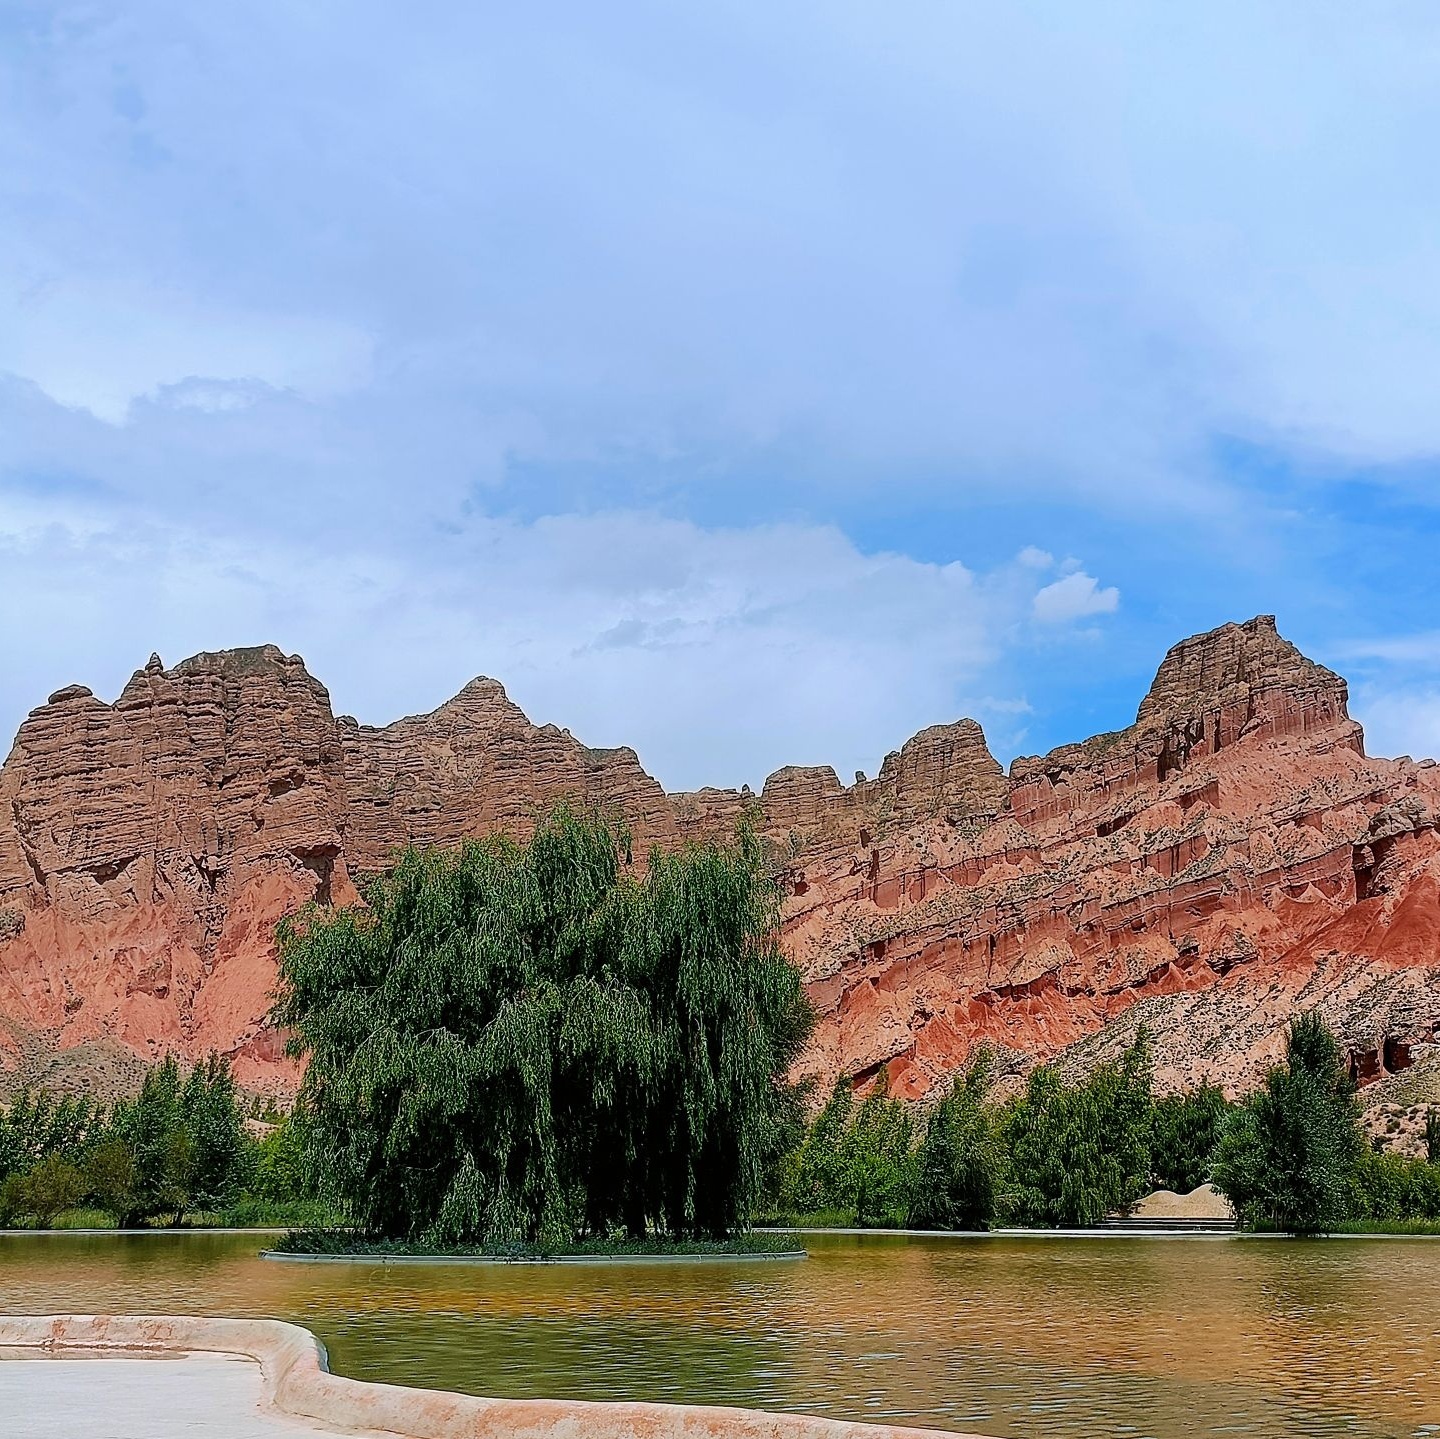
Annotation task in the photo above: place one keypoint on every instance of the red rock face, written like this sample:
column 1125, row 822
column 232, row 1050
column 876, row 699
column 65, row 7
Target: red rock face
column 476, row 765
column 148, row 847
column 1229, row 860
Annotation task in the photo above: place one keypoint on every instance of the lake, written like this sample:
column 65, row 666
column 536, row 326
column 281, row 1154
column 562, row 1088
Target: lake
column 1014, row 1337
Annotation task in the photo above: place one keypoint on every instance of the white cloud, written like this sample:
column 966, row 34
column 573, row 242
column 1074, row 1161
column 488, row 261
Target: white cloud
column 992, row 704
column 101, row 346
column 1033, row 558
column 1420, row 648
column 339, row 284
column 1400, row 720
column 1074, row 597
column 718, row 654
column 1049, row 247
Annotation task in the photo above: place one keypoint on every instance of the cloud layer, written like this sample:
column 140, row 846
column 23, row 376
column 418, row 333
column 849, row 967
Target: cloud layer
column 703, row 372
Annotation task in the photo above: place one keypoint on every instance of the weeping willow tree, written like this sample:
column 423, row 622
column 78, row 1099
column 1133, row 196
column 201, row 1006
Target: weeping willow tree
column 522, row 1044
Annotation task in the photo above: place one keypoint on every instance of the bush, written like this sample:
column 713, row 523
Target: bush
column 42, row 1193
column 1392, row 1188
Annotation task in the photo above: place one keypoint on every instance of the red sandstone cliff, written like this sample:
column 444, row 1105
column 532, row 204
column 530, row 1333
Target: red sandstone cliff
column 1229, row 859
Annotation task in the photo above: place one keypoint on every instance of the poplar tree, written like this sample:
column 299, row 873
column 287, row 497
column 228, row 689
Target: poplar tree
column 1289, row 1153
column 1184, row 1137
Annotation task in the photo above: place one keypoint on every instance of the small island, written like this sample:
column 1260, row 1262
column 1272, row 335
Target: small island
column 546, row 1050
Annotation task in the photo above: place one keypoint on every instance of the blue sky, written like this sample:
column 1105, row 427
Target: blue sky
column 749, row 383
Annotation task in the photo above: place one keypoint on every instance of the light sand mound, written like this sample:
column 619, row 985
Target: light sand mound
column 1204, row 1203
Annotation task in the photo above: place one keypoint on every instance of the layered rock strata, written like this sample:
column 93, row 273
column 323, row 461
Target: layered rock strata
column 1231, row 858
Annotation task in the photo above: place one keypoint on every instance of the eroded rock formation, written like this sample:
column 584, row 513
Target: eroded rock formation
column 1231, row 858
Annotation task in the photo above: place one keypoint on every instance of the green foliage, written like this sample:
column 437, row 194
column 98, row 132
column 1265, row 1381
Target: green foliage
column 1390, row 1188
column 42, row 1141
column 1289, row 1152
column 960, row 1160
column 854, row 1161
column 1055, row 1154
column 877, row 1159
column 40, row 1124
column 175, row 1148
column 1185, row 1133
column 187, row 1144
column 519, row 1044
column 161, row 1152
column 813, row 1178
column 110, row 1179
column 45, row 1190
column 220, row 1149
column 1432, row 1135
column 323, row 1240
column 1291, row 1157
column 283, row 1172
column 249, row 1211
column 1077, row 1152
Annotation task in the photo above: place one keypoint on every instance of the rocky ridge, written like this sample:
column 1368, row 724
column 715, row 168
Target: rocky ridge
column 1229, row 859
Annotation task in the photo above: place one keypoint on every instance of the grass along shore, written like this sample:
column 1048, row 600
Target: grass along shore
column 341, row 1243
column 247, row 1214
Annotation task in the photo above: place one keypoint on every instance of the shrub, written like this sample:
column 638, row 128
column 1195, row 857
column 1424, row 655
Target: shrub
column 42, row 1193
column 1392, row 1188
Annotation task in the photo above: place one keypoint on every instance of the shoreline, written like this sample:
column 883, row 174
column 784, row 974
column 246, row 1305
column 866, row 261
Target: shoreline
column 1127, row 1234
column 848, row 1231
column 284, row 1257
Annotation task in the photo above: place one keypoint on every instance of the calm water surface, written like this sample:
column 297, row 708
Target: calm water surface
column 1028, row 1337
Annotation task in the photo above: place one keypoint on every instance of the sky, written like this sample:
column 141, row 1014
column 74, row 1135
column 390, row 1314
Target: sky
column 750, row 383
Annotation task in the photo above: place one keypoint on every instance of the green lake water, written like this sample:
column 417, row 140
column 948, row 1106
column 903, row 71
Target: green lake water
column 1013, row 1337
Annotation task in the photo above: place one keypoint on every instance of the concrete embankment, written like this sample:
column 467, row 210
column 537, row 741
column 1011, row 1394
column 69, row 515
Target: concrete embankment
column 296, row 1386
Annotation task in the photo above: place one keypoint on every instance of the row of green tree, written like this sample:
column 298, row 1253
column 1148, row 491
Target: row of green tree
column 529, row 1044
column 180, row 1147
column 1292, row 1156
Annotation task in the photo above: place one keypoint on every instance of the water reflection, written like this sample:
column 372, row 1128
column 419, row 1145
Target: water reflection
column 1013, row 1338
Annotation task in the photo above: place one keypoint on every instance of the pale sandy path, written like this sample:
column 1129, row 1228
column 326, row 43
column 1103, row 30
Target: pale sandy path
column 194, row 1396
column 114, row 1382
